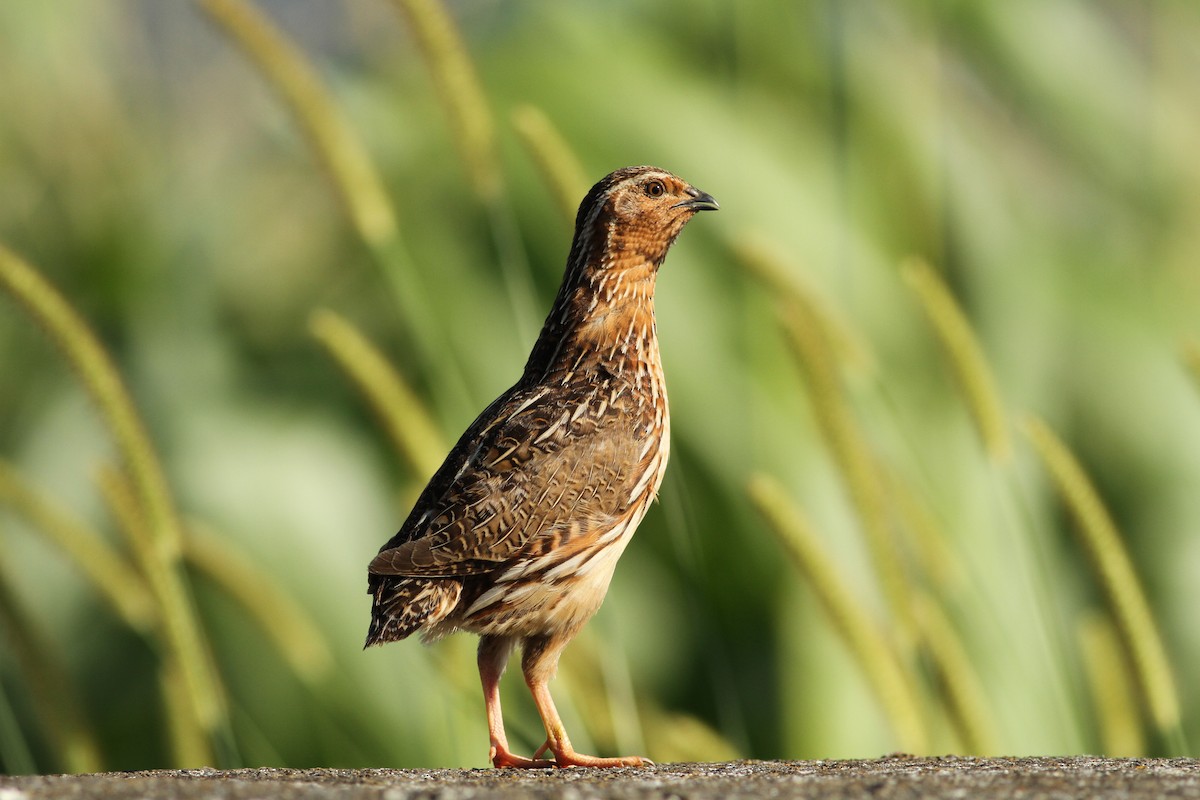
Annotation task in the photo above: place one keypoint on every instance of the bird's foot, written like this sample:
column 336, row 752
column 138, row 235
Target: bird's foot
column 569, row 758
column 501, row 757
column 566, row 757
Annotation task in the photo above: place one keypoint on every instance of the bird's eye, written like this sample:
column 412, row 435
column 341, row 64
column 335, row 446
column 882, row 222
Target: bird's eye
column 655, row 188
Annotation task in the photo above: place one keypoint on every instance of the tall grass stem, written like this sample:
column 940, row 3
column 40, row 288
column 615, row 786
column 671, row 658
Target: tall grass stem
column 189, row 745
column 285, row 623
column 926, row 537
column 157, row 552
column 775, row 274
column 894, row 685
column 50, row 689
column 964, row 354
column 1112, row 687
column 465, row 103
column 560, row 168
column 106, row 569
column 965, row 698
column 809, row 342
column 1114, row 571
column 400, row 411
column 458, row 89
column 185, row 654
column 333, row 140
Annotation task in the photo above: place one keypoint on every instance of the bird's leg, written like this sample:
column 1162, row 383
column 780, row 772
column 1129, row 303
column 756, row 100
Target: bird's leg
column 493, row 657
column 539, row 662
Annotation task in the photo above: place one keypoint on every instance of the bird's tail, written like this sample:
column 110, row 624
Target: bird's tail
column 401, row 606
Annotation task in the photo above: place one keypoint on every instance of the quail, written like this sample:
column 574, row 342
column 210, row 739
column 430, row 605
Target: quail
column 516, row 536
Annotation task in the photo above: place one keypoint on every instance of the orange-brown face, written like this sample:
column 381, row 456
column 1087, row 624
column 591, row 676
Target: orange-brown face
column 645, row 208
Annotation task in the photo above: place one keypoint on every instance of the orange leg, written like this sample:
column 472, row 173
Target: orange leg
column 539, row 662
column 493, row 656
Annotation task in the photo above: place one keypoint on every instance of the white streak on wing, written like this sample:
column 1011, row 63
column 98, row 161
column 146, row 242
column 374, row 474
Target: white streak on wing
column 515, row 571
column 546, row 491
column 504, row 455
column 533, row 398
column 468, row 461
column 649, row 473
column 571, row 564
column 558, row 423
column 619, row 530
column 492, row 595
column 586, row 560
column 599, row 559
column 519, row 593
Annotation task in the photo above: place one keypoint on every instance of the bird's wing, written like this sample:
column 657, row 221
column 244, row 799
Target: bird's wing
column 535, row 471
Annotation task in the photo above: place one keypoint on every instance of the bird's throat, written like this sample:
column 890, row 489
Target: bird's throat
column 606, row 319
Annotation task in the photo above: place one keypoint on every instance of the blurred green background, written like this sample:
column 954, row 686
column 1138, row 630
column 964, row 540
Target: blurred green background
column 1041, row 156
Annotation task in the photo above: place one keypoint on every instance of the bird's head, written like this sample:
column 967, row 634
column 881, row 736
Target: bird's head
column 625, row 226
column 635, row 214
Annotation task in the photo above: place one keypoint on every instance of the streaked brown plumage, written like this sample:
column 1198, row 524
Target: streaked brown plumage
column 516, row 536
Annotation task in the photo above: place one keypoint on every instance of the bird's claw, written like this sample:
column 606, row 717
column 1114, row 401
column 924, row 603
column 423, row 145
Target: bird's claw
column 502, row 758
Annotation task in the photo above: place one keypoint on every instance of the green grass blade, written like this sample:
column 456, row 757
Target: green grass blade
column 809, row 343
column 462, row 96
column 106, row 569
column 1114, row 571
column 962, row 688
column 459, row 91
column 556, row 161
column 156, row 552
column 1112, row 687
column 294, row 634
column 964, row 354
column 49, row 689
column 772, row 271
column 894, row 686
column 334, row 142
column 401, row 412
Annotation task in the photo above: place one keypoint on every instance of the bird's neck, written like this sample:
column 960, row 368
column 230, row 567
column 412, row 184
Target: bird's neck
column 602, row 321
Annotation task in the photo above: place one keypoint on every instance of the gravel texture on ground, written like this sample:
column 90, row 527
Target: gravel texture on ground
column 897, row 776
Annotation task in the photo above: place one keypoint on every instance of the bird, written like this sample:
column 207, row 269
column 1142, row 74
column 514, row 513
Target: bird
column 516, row 536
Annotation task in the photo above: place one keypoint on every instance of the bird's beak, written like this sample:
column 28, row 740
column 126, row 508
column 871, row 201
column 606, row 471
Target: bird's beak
column 700, row 201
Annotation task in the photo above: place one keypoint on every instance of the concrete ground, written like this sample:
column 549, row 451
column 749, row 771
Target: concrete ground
column 886, row 778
